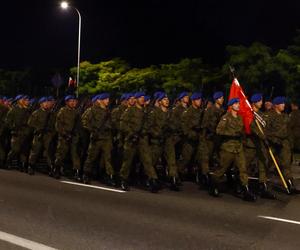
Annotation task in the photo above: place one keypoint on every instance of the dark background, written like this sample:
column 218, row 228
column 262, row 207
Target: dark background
column 38, row 34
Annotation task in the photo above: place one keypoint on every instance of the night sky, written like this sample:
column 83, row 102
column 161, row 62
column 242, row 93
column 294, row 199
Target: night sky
column 40, row 34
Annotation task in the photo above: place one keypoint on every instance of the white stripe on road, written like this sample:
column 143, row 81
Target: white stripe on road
column 28, row 244
column 92, row 186
column 279, row 219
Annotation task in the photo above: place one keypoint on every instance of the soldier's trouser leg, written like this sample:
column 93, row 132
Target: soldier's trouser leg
column 36, row 149
column 206, row 153
column 48, row 148
column 187, row 154
column 92, row 155
column 128, row 155
column 62, row 150
column 74, row 153
column 250, row 157
column 170, row 156
column 15, row 147
column 2, row 152
column 226, row 159
column 285, row 157
column 156, row 152
column 106, row 148
column 146, row 158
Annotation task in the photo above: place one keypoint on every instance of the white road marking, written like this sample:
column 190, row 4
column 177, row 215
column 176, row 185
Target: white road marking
column 28, row 244
column 280, row 219
column 92, row 186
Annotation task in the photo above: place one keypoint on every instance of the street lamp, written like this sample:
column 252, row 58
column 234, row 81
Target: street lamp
column 65, row 5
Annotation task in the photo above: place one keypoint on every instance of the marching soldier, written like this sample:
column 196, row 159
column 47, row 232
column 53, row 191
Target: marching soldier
column 3, row 130
column 294, row 126
column 209, row 140
column 97, row 120
column 254, row 147
column 133, row 123
column 67, row 126
column 191, row 126
column 16, row 121
column 159, row 132
column 277, row 132
column 38, row 122
column 231, row 129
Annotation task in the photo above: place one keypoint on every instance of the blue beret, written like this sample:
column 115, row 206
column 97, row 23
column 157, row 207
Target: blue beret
column 162, row 96
column 196, row 96
column 95, row 98
column 18, row 97
column 51, row 98
column 43, row 99
column 157, row 94
column 103, row 96
column 218, row 95
column 279, row 100
column 181, row 95
column 147, row 98
column 4, row 98
column 233, row 101
column 70, row 97
column 129, row 95
column 139, row 94
column 123, row 97
column 256, row 97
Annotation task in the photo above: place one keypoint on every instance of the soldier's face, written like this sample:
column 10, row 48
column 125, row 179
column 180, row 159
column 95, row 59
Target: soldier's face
column 141, row 101
column 268, row 105
column 258, row 105
column 131, row 101
column 72, row 103
column 165, row 102
column 44, row 105
column 24, row 102
column 294, row 106
column 51, row 104
column 185, row 99
column 236, row 106
column 105, row 102
column 197, row 103
column 280, row 107
column 220, row 101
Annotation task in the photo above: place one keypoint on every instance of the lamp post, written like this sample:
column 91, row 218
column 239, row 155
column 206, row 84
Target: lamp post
column 65, row 5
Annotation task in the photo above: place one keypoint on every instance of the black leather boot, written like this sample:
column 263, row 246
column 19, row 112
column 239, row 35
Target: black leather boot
column 31, row 169
column 265, row 192
column 291, row 187
column 174, row 184
column 56, row 172
column 213, row 189
column 153, row 185
column 111, row 181
column 86, row 178
column 77, row 176
column 124, row 185
column 247, row 194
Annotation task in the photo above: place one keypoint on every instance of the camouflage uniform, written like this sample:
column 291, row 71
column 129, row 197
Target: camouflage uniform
column 209, row 140
column 16, row 121
column 3, row 134
column 231, row 130
column 294, row 127
column 97, row 121
column 38, row 122
column 277, row 132
column 133, row 123
column 191, row 127
column 67, row 126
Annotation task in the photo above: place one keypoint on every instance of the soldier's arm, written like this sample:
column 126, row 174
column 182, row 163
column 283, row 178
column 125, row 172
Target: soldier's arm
column 9, row 120
column 187, row 124
column 86, row 120
column 32, row 122
column 222, row 125
column 60, row 123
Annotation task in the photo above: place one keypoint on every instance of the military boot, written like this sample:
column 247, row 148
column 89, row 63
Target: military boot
column 51, row 170
column 291, row 187
column 174, row 184
column 77, row 176
column 111, row 181
column 31, row 169
column 23, row 167
column 213, row 189
column 265, row 192
column 204, row 181
column 86, row 178
column 124, row 185
column 56, row 172
column 153, row 185
column 247, row 194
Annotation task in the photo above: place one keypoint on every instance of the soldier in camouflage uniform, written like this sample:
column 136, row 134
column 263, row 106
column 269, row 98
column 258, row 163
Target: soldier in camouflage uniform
column 3, row 131
column 191, row 126
column 16, row 121
column 277, row 132
column 209, row 140
column 67, row 126
column 255, row 149
column 231, row 129
column 38, row 122
column 294, row 126
column 175, row 126
column 133, row 125
column 97, row 120
column 159, row 132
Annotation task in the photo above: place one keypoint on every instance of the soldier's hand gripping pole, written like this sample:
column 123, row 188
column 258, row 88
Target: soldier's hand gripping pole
column 274, row 160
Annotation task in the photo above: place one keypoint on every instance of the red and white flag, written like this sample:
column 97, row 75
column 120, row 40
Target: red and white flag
column 72, row 83
column 246, row 111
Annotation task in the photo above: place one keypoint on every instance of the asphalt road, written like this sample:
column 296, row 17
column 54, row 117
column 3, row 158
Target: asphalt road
column 65, row 216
